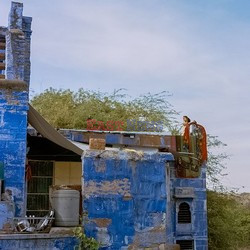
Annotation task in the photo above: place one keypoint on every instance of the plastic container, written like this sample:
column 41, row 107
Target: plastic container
column 65, row 203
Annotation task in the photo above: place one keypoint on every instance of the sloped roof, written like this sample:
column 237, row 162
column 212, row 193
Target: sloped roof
column 47, row 131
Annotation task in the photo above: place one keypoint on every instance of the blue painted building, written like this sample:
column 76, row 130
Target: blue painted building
column 140, row 191
column 134, row 199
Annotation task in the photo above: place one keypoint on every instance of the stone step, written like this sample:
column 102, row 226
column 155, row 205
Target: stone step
column 2, row 56
column 2, row 45
column 2, row 66
column 2, row 76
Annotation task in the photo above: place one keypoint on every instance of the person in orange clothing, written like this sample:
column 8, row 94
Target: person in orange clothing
column 185, row 132
column 202, row 137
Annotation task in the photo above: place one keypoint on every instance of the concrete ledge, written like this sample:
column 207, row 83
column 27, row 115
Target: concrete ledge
column 13, row 85
column 55, row 232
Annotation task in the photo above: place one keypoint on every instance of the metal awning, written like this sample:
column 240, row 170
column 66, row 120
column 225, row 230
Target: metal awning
column 47, row 131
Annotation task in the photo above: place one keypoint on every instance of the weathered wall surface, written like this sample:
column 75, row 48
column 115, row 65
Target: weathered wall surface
column 38, row 242
column 18, row 44
column 192, row 192
column 13, row 127
column 125, row 198
column 13, row 108
column 7, row 212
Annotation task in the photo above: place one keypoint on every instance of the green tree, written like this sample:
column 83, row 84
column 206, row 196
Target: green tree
column 216, row 164
column 228, row 222
column 66, row 109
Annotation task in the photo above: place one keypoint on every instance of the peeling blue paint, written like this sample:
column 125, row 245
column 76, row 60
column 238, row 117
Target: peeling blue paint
column 135, row 215
column 198, row 230
column 14, row 104
column 147, row 214
column 42, row 243
column 13, row 144
column 7, row 212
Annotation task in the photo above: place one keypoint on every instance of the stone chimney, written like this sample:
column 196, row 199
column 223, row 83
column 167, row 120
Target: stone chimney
column 18, row 39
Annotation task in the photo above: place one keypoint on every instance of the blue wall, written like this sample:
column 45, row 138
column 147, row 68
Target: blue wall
column 13, row 127
column 41, row 242
column 193, row 192
column 125, row 196
column 132, row 199
column 14, row 106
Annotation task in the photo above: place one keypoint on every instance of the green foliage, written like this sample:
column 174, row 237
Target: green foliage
column 216, row 163
column 66, row 109
column 85, row 243
column 228, row 222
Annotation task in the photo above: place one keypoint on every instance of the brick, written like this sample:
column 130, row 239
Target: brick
column 97, row 143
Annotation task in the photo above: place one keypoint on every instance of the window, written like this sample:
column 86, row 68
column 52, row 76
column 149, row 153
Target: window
column 186, row 244
column 184, row 214
column 38, row 187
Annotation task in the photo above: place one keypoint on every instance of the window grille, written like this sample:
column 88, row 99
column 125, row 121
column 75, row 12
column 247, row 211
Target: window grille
column 184, row 214
column 185, row 244
column 38, row 188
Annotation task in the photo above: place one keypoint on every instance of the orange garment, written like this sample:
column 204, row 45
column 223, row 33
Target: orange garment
column 186, row 135
column 203, row 139
column 203, row 144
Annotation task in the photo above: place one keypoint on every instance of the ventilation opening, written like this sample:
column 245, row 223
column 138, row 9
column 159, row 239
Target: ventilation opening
column 186, row 244
column 184, row 214
column 2, row 57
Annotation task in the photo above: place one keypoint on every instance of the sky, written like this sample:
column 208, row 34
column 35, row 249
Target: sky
column 199, row 51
